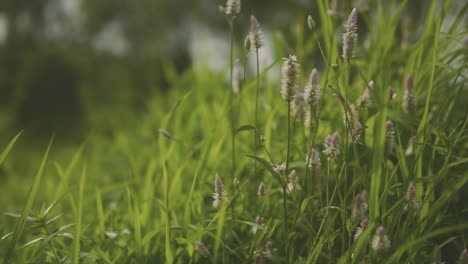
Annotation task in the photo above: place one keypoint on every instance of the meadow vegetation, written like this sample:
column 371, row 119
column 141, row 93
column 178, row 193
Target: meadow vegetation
column 355, row 153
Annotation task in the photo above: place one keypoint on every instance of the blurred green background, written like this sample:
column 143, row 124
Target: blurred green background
column 71, row 66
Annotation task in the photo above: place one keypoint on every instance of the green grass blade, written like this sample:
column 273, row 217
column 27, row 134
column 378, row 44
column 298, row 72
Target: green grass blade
column 9, row 147
column 29, row 202
column 78, row 218
column 168, row 250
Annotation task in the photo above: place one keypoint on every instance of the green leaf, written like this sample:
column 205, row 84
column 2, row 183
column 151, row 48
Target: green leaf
column 9, row 147
column 27, row 207
column 244, row 128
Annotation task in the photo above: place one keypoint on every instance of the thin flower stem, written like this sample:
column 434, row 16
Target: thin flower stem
column 285, row 209
column 231, row 96
column 256, row 107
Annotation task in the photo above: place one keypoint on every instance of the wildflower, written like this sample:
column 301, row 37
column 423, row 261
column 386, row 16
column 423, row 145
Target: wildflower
column 355, row 126
column 365, row 101
column 219, row 194
column 202, row 249
column 411, row 202
column 298, row 105
column 232, row 8
column 360, row 206
column 391, row 93
column 312, row 90
column 311, row 23
column 350, row 36
column 409, row 98
column 261, row 189
column 361, row 228
column 260, row 221
column 289, row 82
column 314, row 158
column 258, row 258
column 389, row 137
column 255, row 35
column 293, row 184
column 236, row 183
column 411, row 150
column 380, row 242
column 332, row 145
column 463, row 259
column 437, row 256
column 280, row 168
column 247, row 43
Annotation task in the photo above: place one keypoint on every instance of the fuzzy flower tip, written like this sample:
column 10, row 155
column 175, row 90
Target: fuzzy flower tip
column 463, row 259
column 380, row 242
column 311, row 23
column 437, row 256
column 365, row 101
column 332, row 145
column 261, row 189
column 255, row 35
column 312, row 90
column 289, row 80
column 219, row 194
column 409, row 98
column 361, row 228
column 233, row 7
column 389, row 137
column 360, row 206
column 314, row 158
column 293, row 184
column 355, row 127
column 411, row 202
column 202, row 249
column 350, row 36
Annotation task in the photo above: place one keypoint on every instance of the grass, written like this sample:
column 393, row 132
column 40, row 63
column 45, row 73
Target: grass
column 149, row 182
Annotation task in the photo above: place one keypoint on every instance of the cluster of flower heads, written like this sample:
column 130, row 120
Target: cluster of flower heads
column 306, row 104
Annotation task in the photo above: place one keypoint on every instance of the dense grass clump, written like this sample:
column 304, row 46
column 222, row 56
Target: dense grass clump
column 362, row 161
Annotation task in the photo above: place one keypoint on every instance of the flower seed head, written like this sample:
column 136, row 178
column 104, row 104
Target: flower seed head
column 219, row 194
column 411, row 202
column 380, row 242
column 389, row 137
column 361, row 228
column 280, row 168
column 437, row 256
column 289, row 80
column 236, row 183
column 311, row 23
column 202, row 249
column 350, row 36
column 219, row 188
column 332, row 145
column 232, row 8
column 255, row 34
column 463, row 259
column 261, row 189
column 409, row 98
column 360, row 206
column 312, row 90
column 314, row 158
